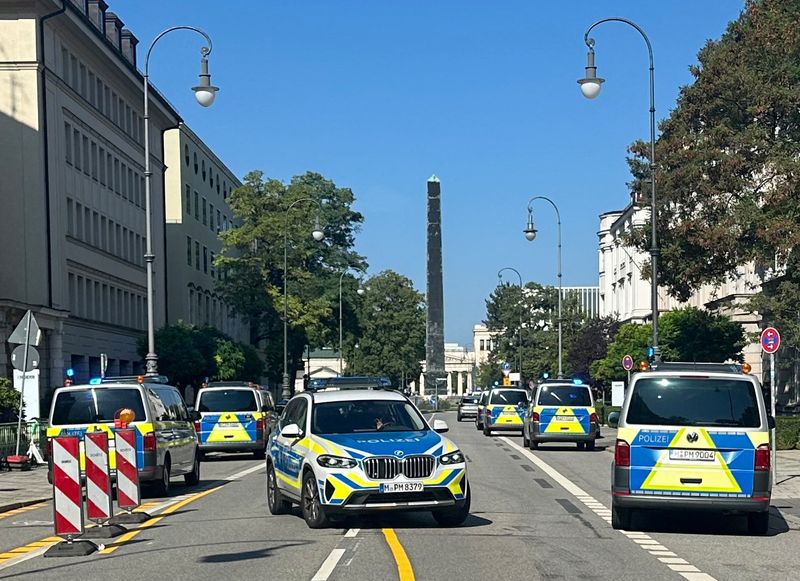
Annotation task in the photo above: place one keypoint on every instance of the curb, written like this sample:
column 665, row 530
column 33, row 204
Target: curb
column 22, row 504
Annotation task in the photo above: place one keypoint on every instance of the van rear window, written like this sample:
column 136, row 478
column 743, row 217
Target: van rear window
column 682, row 401
column 228, row 400
column 565, row 395
column 509, row 397
column 95, row 405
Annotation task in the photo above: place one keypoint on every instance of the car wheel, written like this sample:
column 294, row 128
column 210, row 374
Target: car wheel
column 276, row 503
column 260, row 454
column 458, row 417
column 313, row 512
column 486, row 431
column 452, row 517
column 621, row 517
column 533, row 445
column 478, row 425
column 525, row 441
column 758, row 523
column 162, row 486
column 193, row 478
column 581, row 445
column 590, row 445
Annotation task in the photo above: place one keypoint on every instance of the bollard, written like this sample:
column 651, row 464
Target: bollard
column 99, row 505
column 129, row 494
column 68, row 499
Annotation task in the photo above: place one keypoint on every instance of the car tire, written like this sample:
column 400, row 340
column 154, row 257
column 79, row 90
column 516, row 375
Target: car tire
column 276, row 503
column 453, row 517
column 758, row 523
column 533, row 445
column 478, row 425
column 581, row 445
column 525, row 441
column 458, row 417
column 193, row 477
column 487, row 431
column 161, row 487
column 313, row 511
column 590, row 445
column 621, row 517
column 260, row 454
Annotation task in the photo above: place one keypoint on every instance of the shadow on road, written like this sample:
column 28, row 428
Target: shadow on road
column 248, row 555
column 700, row 523
column 418, row 520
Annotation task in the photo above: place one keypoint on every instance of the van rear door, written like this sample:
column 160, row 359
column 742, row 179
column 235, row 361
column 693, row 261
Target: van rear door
column 228, row 415
column 564, row 409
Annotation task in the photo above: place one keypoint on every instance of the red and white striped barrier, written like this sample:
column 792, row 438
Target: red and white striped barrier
column 67, row 492
column 98, row 480
column 128, row 491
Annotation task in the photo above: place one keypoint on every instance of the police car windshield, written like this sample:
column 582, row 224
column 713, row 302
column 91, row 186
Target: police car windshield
column 681, row 401
column 565, row 395
column 95, row 405
column 350, row 417
column 228, row 400
column 509, row 397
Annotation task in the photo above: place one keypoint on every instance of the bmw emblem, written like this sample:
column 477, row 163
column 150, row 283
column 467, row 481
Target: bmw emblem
column 692, row 437
column 399, row 453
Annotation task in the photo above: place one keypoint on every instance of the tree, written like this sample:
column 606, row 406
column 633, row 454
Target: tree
column 9, row 401
column 631, row 339
column 728, row 158
column 252, row 261
column 590, row 344
column 392, row 321
column 694, row 335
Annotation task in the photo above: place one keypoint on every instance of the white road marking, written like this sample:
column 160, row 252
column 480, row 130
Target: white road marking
column 645, row 541
column 245, row 472
column 328, row 565
column 351, row 533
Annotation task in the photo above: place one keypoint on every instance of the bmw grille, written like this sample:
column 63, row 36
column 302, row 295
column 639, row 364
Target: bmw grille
column 388, row 468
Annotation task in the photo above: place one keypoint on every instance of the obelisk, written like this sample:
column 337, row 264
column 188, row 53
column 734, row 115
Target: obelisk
column 435, row 374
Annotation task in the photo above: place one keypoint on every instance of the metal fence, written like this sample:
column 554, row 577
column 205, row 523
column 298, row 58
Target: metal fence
column 31, row 431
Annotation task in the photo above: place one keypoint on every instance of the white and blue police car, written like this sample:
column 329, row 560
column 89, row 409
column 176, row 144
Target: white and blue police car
column 359, row 450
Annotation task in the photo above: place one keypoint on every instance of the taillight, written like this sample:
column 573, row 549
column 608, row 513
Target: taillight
column 762, row 458
column 622, row 454
column 535, row 417
column 149, row 442
column 50, row 448
column 593, row 418
column 260, row 424
column 197, row 427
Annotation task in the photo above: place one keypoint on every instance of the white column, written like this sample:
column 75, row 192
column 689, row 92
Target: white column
column 460, row 383
column 421, row 384
column 449, row 383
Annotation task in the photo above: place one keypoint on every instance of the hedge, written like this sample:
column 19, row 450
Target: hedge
column 604, row 409
column 787, row 434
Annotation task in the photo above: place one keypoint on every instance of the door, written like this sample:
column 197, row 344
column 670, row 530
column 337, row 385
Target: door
column 287, row 461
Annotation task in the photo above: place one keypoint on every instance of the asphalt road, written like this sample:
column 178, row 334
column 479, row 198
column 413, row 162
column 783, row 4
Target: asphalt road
column 541, row 515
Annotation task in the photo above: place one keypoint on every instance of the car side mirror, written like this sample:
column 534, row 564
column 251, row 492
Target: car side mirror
column 771, row 422
column 194, row 416
column 613, row 419
column 268, row 408
column 291, row 432
column 440, row 426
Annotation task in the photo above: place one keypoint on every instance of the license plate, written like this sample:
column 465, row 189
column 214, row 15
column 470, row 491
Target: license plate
column 565, row 418
column 693, row 455
column 509, row 413
column 227, row 424
column 402, row 487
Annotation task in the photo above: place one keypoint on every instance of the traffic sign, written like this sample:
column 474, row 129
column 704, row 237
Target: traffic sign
column 23, row 334
column 506, row 380
column 18, row 358
column 627, row 363
column 506, row 368
column 770, row 340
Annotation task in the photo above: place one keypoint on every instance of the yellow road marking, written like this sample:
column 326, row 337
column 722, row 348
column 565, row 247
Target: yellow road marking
column 22, row 509
column 169, row 510
column 30, row 547
column 404, row 569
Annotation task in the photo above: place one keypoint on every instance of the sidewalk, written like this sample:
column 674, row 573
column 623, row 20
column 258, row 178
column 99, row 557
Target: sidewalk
column 19, row 488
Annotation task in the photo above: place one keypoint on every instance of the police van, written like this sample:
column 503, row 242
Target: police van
column 504, row 409
column 562, row 411
column 166, row 442
column 232, row 419
column 693, row 436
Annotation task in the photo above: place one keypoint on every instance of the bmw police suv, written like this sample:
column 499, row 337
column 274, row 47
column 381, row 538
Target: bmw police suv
column 353, row 451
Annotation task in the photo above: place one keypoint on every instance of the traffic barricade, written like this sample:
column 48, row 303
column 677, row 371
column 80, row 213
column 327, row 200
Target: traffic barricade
column 99, row 501
column 129, row 495
column 68, row 499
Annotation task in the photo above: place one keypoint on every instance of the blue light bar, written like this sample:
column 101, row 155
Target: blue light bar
column 577, row 381
column 70, row 372
column 95, row 381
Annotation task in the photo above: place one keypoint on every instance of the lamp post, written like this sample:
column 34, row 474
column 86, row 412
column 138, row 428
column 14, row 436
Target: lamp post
column 530, row 234
column 522, row 307
column 360, row 291
column 590, row 87
column 319, row 236
column 205, row 93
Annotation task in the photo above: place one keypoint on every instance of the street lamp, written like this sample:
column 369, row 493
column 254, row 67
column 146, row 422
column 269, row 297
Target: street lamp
column 360, row 291
column 530, row 234
column 522, row 308
column 590, row 87
column 318, row 235
column 205, row 93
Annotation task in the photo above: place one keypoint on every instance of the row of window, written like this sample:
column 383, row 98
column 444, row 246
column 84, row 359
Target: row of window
column 205, row 309
column 85, row 154
column 103, row 233
column 207, row 214
column 92, row 88
column 486, row 345
column 100, row 301
column 206, row 259
column 201, row 169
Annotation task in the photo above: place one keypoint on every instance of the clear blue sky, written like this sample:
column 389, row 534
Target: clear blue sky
column 379, row 95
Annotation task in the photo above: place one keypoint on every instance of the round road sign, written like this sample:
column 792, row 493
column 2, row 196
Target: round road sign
column 18, row 358
column 627, row 363
column 770, row 340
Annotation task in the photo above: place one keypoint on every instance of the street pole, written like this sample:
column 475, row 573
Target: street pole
column 28, row 317
column 341, row 360
column 521, row 311
column 318, row 235
column 205, row 94
column 530, row 234
column 590, row 86
column 774, row 392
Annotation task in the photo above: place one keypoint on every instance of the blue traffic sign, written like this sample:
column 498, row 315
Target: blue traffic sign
column 506, row 365
column 770, row 340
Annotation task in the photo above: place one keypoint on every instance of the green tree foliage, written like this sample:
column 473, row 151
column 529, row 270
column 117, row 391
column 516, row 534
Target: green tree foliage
column 631, row 339
column 728, row 159
column 9, row 401
column 694, row 335
column 392, row 321
column 591, row 344
column 253, row 254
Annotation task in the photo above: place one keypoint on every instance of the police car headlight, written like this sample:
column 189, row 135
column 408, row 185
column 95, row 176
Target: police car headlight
column 327, row 461
column 452, row 458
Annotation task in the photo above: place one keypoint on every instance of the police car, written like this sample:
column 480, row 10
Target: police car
column 693, row 436
column 233, row 418
column 562, row 411
column 354, row 451
column 504, row 409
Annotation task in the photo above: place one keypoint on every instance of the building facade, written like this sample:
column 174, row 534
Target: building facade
column 72, row 160
column 459, row 364
column 483, row 341
column 197, row 188
column 587, row 297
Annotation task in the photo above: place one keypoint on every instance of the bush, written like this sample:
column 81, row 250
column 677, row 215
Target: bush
column 787, row 434
column 604, row 409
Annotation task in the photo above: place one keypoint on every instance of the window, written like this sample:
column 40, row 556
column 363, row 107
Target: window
column 109, row 171
column 211, row 178
column 195, row 163
column 197, row 255
column 92, row 90
column 120, row 249
column 211, row 216
column 74, row 66
column 70, row 218
column 102, row 165
column 196, row 206
column 86, row 161
column 188, row 200
column 186, row 154
column 132, row 247
column 94, row 160
column 96, row 229
column 565, row 395
column 65, row 64
column 116, row 176
column 225, row 220
column 76, row 143
column 483, row 345
column 130, row 185
column 87, row 216
column 207, row 310
column 228, row 400
column 189, row 250
column 114, row 104
column 104, row 302
column 219, row 223
column 205, row 216
column 91, row 405
column 103, row 233
column 212, row 264
column 99, row 103
column 83, row 90
column 106, row 101
column 205, row 259
column 203, row 170
column 128, row 120
column 509, row 397
column 68, row 143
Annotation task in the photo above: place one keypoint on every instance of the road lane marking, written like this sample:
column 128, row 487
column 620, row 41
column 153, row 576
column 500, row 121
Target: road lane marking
column 245, row 472
column 351, row 533
column 22, row 509
column 645, row 541
column 328, row 565
column 404, row 570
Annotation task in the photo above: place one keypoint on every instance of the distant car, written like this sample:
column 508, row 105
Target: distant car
column 693, row 436
column 482, row 399
column 356, row 451
column 467, row 407
column 562, row 411
column 504, row 409
column 232, row 419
